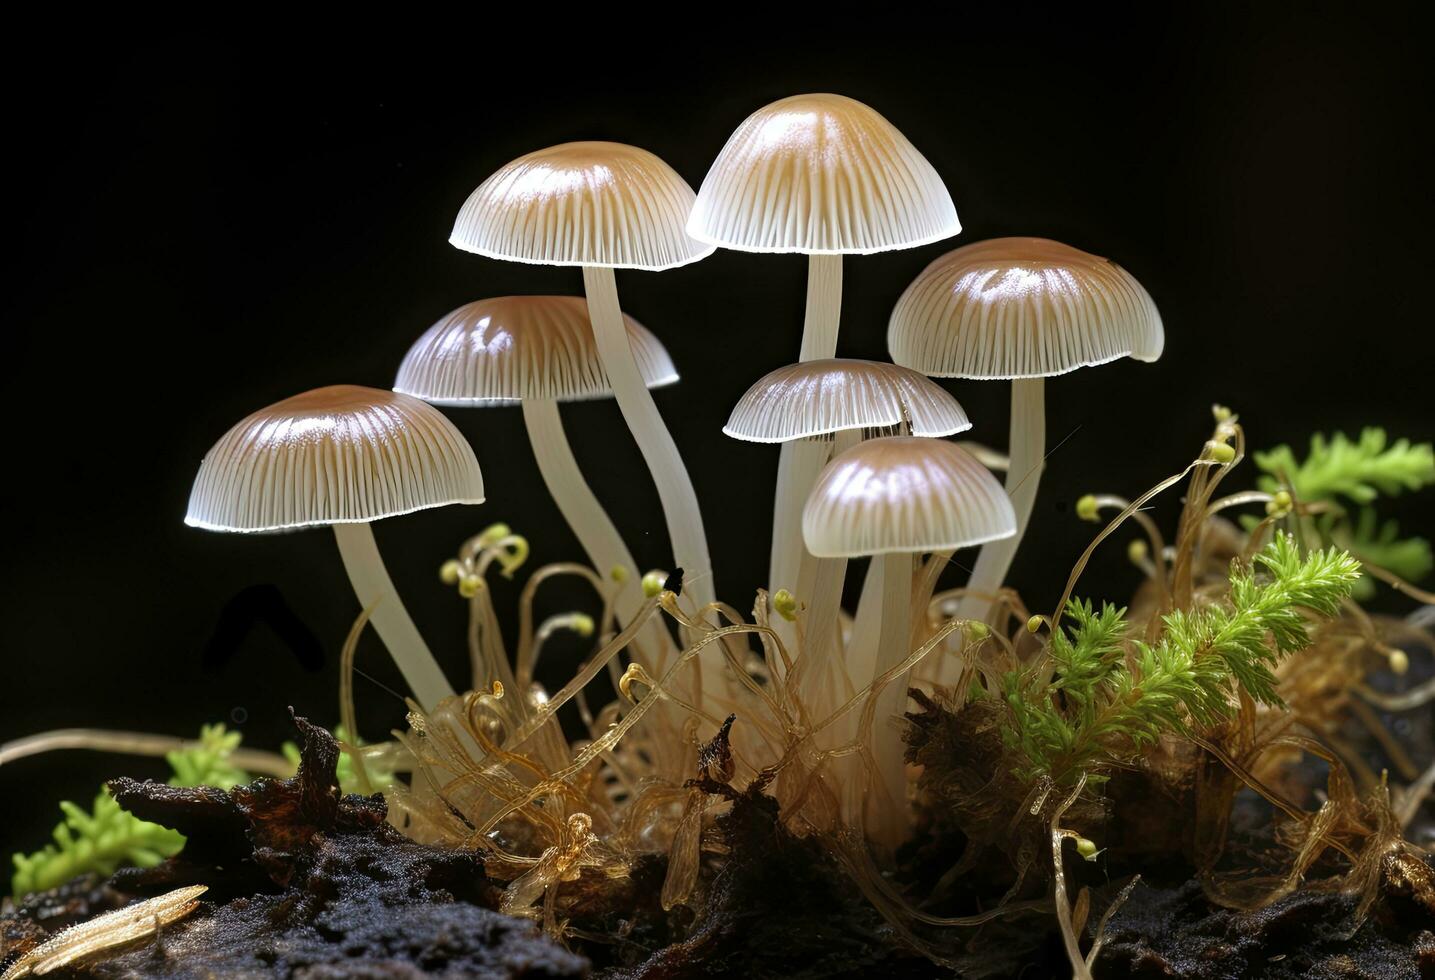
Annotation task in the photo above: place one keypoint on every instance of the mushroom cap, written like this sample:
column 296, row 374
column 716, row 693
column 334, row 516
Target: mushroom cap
column 337, row 455
column 1022, row 308
column 821, row 174
column 812, row 398
column 904, row 494
column 510, row 348
column 594, row 203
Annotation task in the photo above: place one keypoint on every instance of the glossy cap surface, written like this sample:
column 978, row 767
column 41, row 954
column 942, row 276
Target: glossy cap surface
column 602, row 204
column 333, row 455
column 1022, row 308
column 904, row 495
column 812, row 398
column 821, row 174
column 521, row 347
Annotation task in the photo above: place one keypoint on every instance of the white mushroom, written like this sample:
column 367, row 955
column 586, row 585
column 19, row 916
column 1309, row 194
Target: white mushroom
column 895, row 498
column 603, row 206
column 539, row 351
column 343, row 456
column 1020, row 309
column 822, row 175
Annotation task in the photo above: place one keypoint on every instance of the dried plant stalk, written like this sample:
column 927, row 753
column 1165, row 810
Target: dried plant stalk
column 107, row 932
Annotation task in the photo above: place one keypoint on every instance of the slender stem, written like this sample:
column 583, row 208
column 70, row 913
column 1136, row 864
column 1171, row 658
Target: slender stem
column 136, row 743
column 895, row 645
column 595, row 530
column 821, row 588
column 600, row 540
column 1028, row 448
column 1079, row 968
column 867, row 627
column 795, row 467
column 824, row 307
column 675, row 488
column 388, row 616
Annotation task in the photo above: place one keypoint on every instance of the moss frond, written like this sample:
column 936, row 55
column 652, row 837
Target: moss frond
column 1107, row 699
column 1360, row 470
column 106, row 837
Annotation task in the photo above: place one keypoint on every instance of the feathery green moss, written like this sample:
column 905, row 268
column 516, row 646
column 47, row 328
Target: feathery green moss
column 1101, row 697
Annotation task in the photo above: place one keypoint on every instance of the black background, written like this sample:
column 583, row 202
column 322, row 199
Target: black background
column 211, row 223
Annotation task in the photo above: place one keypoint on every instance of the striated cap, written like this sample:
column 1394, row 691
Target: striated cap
column 1022, row 308
column 813, row 398
column 821, row 173
column 603, row 204
column 516, row 347
column 904, row 494
column 336, row 455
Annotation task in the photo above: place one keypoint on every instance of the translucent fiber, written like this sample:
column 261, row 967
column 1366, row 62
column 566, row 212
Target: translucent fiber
column 821, row 173
column 814, row 398
column 521, row 348
column 904, row 494
column 333, row 455
column 1022, row 308
column 592, row 203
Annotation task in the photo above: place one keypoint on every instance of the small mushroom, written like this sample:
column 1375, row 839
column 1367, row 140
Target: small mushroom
column 824, row 407
column 603, row 206
column 823, row 175
column 820, row 398
column 537, row 351
column 895, row 498
column 1023, row 310
column 343, row 456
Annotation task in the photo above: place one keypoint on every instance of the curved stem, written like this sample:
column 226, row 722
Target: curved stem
column 388, row 616
column 796, row 468
column 1028, row 447
column 595, row 530
column 675, row 488
column 136, row 743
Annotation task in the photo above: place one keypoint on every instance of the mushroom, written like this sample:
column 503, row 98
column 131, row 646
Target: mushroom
column 603, row 206
column 1020, row 309
column 343, row 456
column 828, row 404
column 826, row 176
column 538, row 351
column 894, row 498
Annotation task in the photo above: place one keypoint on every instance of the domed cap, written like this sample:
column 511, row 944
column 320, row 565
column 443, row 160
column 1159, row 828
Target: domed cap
column 904, row 495
column 603, row 204
column 516, row 347
column 333, row 456
column 813, row 398
column 1022, row 308
column 821, row 173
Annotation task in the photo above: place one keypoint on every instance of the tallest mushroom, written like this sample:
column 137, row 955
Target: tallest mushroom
column 822, row 175
column 603, row 206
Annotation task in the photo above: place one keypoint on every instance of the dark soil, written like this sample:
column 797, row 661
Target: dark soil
column 303, row 883
column 307, row 883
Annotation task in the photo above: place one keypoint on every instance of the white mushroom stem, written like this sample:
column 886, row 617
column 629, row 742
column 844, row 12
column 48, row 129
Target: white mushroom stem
column 819, row 586
column 801, row 462
column 600, row 539
column 675, row 488
column 893, row 647
column 389, row 617
column 1028, row 449
column 861, row 663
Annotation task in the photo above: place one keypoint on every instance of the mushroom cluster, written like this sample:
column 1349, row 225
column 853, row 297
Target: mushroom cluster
column 866, row 470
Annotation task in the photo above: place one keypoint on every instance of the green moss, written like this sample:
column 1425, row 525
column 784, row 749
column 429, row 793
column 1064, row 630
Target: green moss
column 105, row 837
column 1091, row 704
